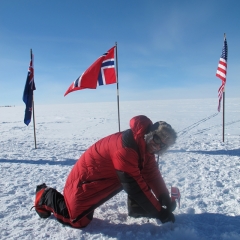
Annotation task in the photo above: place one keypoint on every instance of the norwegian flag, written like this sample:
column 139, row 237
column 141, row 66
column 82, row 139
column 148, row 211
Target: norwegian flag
column 101, row 72
column 222, row 71
column 175, row 195
column 28, row 92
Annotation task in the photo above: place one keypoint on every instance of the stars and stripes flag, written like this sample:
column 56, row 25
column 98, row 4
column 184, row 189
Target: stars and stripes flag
column 175, row 195
column 28, row 92
column 222, row 71
column 101, row 72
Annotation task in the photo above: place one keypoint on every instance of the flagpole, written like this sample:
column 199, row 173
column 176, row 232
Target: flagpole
column 223, row 112
column 117, row 88
column 34, row 130
column 224, row 100
column 34, row 124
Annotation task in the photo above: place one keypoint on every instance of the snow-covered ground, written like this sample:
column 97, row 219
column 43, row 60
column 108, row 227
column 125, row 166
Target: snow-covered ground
column 200, row 164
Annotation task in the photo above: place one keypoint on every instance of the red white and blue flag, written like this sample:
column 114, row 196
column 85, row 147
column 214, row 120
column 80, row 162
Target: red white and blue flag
column 101, row 72
column 28, row 92
column 175, row 195
column 222, row 71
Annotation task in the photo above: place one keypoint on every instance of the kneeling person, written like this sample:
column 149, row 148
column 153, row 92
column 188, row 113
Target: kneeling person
column 121, row 161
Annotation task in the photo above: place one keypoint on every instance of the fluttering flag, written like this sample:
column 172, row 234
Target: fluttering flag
column 222, row 71
column 101, row 72
column 28, row 92
column 175, row 195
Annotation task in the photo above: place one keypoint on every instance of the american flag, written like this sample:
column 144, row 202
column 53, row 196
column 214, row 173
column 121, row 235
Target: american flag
column 222, row 71
column 175, row 195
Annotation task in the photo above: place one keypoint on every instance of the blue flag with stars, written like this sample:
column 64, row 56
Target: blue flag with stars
column 28, row 92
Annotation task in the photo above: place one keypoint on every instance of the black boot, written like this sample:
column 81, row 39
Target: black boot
column 40, row 209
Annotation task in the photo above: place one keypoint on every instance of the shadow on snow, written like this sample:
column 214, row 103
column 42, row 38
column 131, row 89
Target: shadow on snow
column 187, row 226
column 68, row 162
column 232, row 152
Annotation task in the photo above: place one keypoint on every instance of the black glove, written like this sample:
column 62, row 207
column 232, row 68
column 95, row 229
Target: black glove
column 165, row 200
column 166, row 216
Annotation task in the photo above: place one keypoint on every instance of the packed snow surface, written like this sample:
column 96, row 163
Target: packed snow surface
column 200, row 164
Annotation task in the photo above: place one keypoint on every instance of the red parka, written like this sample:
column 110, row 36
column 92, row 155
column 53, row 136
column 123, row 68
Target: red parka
column 116, row 162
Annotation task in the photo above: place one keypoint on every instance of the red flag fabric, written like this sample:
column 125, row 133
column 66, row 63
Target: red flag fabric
column 222, row 71
column 101, row 72
column 175, row 195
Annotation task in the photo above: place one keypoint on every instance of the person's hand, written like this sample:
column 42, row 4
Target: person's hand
column 165, row 200
column 166, row 216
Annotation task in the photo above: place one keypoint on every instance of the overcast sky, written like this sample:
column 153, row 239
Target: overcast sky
column 166, row 49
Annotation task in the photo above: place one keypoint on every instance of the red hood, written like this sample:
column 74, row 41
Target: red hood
column 139, row 126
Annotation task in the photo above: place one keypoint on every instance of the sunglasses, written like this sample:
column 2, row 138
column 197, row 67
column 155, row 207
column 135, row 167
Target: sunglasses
column 157, row 140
